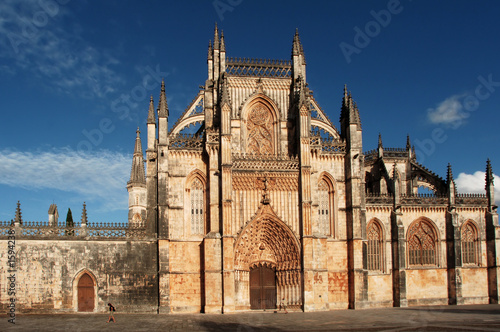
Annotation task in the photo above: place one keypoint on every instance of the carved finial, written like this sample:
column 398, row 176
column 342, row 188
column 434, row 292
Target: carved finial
column 449, row 174
column 395, row 174
column 225, row 92
column 19, row 219
column 222, row 43
column 216, row 37
column 489, row 174
column 452, row 188
column 162, row 105
column 296, row 43
column 84, row 214
column 380, row 151
column 490, row 187
column 151, row 112
column 210, row 50
column 137, row 173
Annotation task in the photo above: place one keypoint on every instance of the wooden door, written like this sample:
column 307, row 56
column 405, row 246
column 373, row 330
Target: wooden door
column 85, row 293
column 262, row 288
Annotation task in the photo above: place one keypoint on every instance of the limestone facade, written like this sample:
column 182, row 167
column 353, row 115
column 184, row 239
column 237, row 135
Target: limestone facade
column 267, row 202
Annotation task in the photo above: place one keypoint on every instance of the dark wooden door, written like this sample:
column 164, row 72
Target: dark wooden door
column 262, row 288
column 85, row 293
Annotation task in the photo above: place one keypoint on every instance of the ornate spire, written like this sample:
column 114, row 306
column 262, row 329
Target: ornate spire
column 380, row 141
column 151, row 112
column 408, row 144
column 84, row 214
column 222, row 43
column 162, row 105
column 216, row 37
column 137, row 174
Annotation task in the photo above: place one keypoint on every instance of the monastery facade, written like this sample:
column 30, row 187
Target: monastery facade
column 266, row 201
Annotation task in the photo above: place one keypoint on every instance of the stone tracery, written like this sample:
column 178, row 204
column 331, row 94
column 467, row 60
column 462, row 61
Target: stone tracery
column 422, row 242
column 260, row 130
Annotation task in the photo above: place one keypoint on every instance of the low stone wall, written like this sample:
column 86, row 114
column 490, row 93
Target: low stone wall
column 47, row 274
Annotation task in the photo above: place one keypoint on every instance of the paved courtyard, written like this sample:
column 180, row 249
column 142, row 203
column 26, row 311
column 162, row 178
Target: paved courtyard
column 436, row 318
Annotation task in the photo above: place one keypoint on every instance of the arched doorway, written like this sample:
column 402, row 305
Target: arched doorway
column 262, row 288
column 86, row 293
column 267, row 263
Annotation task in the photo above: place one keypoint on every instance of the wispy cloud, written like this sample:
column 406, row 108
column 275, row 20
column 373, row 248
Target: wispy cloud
column 475, row 183
column 34, row 40
column 449, row 111
column 96, row 177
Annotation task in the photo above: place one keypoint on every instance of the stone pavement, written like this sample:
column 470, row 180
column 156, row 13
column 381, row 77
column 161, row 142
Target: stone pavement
column 432, row 318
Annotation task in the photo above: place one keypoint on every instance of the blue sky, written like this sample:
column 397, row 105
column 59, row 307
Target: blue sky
column 76, row 76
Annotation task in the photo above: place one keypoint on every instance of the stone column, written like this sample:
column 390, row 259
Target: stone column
column 398, row 259
column 493, row 248
column 212, row 247
column 453, row 257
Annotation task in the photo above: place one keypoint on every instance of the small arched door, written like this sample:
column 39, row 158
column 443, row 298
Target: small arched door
column 262, row 288
column 86, row 293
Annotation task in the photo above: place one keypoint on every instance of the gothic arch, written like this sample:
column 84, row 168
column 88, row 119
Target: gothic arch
column 470, row 243
column 423, row 243
column 266, row 240
column 326, row 179
column 76, row 280
column 375, row 251
column 260, row 128
column 195, row 217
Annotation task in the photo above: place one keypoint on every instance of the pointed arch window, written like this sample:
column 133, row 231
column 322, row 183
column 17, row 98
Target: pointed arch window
column 469, row 244
column 325, row 207
column 197, row 207
column 422, row 244
column 375, row 244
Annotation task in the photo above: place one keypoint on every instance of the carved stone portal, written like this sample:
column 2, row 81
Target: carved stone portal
column 268, row 241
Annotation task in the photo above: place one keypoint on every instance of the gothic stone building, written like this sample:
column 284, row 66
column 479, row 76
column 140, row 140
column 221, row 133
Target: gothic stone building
column 267, row 201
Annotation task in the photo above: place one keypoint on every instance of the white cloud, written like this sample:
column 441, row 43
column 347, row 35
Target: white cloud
column 448, row 112
column 100, row 177
column 33, row 39
column 475, row 184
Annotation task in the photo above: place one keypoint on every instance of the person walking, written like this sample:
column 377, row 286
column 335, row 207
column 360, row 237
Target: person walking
column 283, row 305
column 111, row 312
